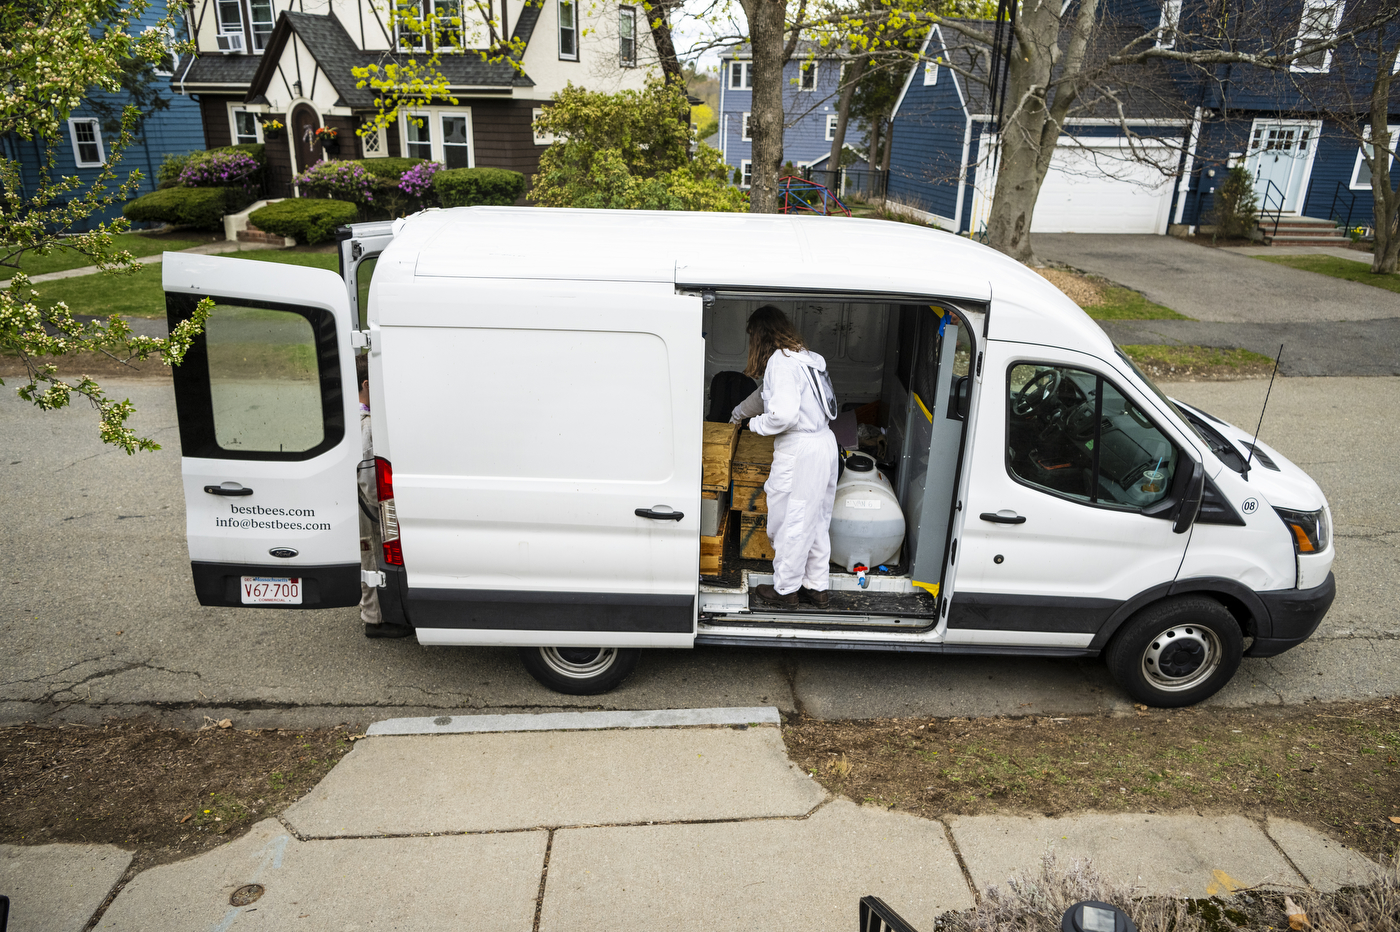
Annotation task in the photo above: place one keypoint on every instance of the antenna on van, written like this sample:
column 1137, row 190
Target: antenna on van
column 1260, row 425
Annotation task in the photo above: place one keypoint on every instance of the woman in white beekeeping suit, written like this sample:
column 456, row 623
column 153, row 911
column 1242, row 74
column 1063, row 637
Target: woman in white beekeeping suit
column 795, row 406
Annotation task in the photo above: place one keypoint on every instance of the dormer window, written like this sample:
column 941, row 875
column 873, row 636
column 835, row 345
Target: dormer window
column 808, row 79
column 1168, row 25
column 1320, row 21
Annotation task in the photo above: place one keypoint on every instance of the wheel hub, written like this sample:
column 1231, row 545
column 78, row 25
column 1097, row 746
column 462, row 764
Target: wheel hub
column 1182, row 657
column 578, row 662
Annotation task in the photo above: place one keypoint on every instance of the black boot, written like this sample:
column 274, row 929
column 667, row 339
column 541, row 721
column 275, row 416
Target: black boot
column 771, row 596
column 820, row 599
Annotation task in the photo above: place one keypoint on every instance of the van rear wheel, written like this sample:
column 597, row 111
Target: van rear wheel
column 1177, row 652
column 580, row 671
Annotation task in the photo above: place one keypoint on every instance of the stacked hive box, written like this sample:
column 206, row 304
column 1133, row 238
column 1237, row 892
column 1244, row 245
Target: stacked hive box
column 716, row 456
column 753, row 458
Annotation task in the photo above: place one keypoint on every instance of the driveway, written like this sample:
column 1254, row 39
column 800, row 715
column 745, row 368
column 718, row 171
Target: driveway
column 1215, row 284
column 98, row 615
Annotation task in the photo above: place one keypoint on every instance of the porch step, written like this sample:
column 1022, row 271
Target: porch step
column 1301, row 231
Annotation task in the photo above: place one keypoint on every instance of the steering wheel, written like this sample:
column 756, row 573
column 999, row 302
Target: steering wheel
column 1044, row 384
column 1080, row 422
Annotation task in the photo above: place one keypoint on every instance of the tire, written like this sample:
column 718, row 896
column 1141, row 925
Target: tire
column 580, row 671
column 1176, row 652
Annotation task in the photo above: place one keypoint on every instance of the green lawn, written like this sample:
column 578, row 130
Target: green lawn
column 1338, row 267
column 1126, row 304
column 139, row 294
column 1190, row 357
column 138, row 244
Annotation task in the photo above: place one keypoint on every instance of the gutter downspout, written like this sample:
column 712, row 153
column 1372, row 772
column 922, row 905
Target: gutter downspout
column 962, row 175
column 1183, row 187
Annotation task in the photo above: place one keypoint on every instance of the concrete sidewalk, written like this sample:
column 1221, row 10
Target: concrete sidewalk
column 602, row 824
column 217, row 248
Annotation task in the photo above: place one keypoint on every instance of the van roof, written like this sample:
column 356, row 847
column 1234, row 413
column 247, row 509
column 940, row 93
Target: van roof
column 772, row 252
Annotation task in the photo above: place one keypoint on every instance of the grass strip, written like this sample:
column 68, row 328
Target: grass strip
column 1125, row 304
column 140, row 294
column 1334, row 767
column 138, row 244
column 1184, row 357
column 1337, row 267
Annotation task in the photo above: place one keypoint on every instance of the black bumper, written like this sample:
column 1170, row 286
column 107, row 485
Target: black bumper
column 329, row 586
column 1294, row 615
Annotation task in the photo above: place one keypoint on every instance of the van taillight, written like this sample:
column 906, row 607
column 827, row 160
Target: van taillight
column 388, row 514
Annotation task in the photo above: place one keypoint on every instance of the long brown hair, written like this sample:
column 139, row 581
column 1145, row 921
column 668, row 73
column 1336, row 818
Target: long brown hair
column 769, row 331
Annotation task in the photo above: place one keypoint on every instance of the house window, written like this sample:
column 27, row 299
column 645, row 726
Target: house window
column 744, row 128
column 1319, row 23
column 1361, row 172
column 419, row 137
column 568, row 30
column 830, row 126
column 930, row 73
column 87, row 143
column 170, row 61
column 448, row 27
column 745, row 173
column 1168, row 24
column 230, row 14
column 262, row 18
column 372, row 142
column 808, row 79
column 456, row 142
column 408, row 26
column 740, row 78
column 541, row 138
column 627, row 37
column 246, row 128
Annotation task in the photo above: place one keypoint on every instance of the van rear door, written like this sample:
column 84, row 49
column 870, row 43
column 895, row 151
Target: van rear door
column 269, row 433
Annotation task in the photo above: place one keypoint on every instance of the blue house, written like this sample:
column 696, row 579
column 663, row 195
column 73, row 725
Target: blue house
column 1144, row 160
column 85, row 144
column 811, row 85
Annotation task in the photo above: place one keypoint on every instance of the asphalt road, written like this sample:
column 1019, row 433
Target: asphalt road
column 1310, row 348
column 98, row 616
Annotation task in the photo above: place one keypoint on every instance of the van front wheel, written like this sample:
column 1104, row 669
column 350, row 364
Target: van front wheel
column 580, row 671
column 1177, row 652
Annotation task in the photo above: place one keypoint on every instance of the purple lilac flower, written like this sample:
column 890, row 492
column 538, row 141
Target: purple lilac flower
column 343, row 180
column 418, row 179
column 219, row 169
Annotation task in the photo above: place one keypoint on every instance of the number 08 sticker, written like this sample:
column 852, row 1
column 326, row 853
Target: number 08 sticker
column 270, row 590
column 1249, row 506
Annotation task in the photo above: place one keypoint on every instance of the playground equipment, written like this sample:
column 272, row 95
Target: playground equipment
column 800, row 196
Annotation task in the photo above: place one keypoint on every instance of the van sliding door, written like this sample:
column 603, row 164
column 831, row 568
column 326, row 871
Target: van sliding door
column 269, row 433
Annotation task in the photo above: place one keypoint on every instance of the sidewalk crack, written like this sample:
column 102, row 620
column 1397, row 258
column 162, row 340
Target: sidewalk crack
column 962, row 864
column 544, row 876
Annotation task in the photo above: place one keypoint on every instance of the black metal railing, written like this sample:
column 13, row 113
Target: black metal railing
column 1269, row 191
column 1337, row 192
column 876, row 916
column 869, row 184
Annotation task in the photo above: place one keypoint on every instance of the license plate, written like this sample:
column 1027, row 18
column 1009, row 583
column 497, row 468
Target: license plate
column 271, row 590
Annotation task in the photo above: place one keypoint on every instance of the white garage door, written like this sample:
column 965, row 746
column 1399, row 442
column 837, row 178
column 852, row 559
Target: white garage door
column 1095, row 187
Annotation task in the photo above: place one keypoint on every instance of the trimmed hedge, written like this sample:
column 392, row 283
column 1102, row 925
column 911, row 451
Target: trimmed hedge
column 203, row 208
column 469, row 187
column 390, row 169
column 310, row 220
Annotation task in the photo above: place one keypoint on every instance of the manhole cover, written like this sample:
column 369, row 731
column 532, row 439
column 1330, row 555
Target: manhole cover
column 248, row 893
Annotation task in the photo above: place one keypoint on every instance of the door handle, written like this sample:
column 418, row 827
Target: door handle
column 1002, row 519
column 220, row 490
column 660, row 513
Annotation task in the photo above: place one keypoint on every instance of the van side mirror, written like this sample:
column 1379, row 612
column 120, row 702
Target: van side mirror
column 1190, row 504
column 960, row 398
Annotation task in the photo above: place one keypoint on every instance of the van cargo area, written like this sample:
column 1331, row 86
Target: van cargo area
column 885, row 357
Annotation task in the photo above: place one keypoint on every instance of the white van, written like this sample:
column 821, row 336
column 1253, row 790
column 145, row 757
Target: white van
column 539, row 381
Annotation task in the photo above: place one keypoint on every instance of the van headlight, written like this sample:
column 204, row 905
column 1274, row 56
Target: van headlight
column 1308, row 529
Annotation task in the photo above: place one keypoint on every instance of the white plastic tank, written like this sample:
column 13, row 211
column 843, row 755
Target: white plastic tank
column 867, row 525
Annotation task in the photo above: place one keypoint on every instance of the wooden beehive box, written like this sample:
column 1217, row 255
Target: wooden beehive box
column 753, row 458
column 712, row 549
column 717, row 454
column 753, row 537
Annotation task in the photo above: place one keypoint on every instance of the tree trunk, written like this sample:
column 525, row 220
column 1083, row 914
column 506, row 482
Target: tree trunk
column 660, row 21
column 889, row 144
column 766, row 21
column 1386, row 202
column 843, row 113
column 1031, row 124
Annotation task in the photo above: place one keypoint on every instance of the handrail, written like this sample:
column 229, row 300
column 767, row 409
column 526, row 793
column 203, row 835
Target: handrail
column 876, row 916
column 1264, row 207
column 1331, row 211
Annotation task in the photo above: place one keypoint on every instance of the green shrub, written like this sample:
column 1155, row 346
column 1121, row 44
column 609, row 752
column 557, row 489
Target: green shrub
column 203, row 208
column 257, row 150
column 388, row 169
column 468, row 187
column 1237, row 206
column 308, row 220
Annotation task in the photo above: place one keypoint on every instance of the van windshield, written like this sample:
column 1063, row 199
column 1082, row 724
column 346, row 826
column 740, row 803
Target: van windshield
column 1180, row 415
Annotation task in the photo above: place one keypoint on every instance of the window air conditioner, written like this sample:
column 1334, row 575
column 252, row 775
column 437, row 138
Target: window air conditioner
column 233, row 42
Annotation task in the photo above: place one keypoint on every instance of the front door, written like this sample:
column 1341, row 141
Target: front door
column 1280, row 158
column 269, row 445
column 1069, row 512
column 305, row 122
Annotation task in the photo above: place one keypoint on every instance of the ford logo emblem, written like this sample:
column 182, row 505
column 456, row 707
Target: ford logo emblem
column 283, row 552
